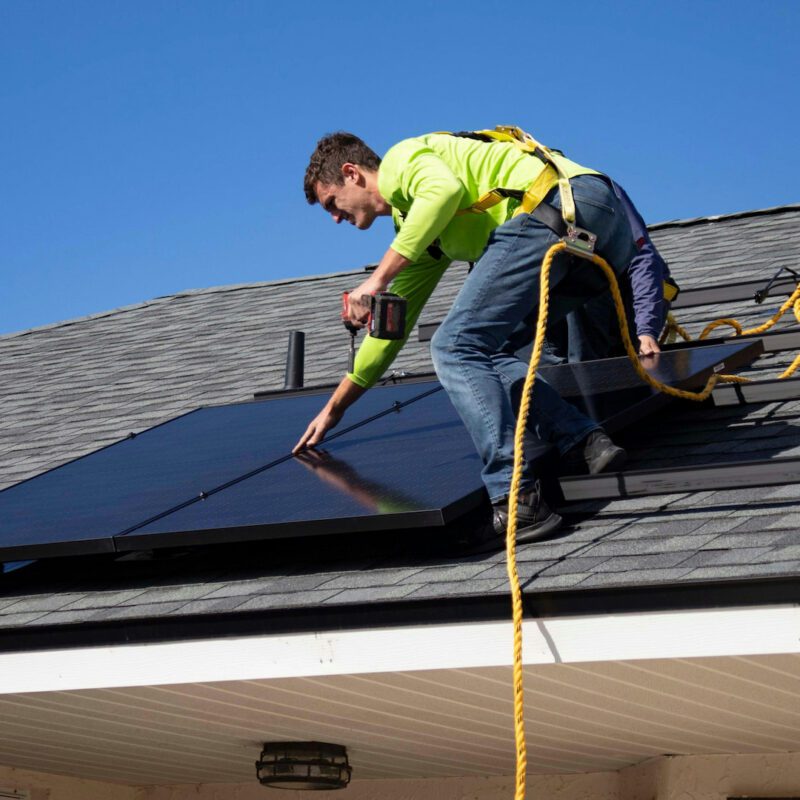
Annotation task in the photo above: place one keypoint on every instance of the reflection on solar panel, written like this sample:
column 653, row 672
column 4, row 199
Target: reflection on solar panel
column 413, row 467
column 225, row 473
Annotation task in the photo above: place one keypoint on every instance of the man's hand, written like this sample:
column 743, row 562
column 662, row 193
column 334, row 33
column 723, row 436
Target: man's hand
column 360, row 303
column 326, row 419
column 648, row 346
column 390, row 265
column 344, row 396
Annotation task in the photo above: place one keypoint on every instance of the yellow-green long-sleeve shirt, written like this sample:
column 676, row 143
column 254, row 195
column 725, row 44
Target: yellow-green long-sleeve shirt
column 427, row 180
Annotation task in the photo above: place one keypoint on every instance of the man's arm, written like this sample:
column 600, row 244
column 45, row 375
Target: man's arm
column 415, row 282
column 646, row 273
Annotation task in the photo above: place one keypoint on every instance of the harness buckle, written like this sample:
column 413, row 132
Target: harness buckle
column 579, row 241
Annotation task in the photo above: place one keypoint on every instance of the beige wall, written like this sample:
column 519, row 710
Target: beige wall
column 43, row 786
column 599, row 786
column 666, row 778
column 712, row 777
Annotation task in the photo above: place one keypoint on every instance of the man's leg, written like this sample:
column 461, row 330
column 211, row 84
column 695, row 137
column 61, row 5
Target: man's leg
column 500, row 292
column 580, row 440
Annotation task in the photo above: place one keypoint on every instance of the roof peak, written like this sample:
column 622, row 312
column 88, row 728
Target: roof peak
column 234, row 287
column 759, row 212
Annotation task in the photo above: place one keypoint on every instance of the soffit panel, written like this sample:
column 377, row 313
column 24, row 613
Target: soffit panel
column 580, row 718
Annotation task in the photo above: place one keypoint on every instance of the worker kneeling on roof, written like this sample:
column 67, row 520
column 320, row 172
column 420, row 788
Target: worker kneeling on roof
column 431, row 186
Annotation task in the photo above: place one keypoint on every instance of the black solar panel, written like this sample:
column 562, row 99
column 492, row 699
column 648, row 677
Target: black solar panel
column 610, row 391
column 80, row 506
column 413, row 467
column 225, row 473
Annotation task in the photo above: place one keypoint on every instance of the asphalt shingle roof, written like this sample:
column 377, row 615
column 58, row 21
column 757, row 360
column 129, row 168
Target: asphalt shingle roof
column 73, row 387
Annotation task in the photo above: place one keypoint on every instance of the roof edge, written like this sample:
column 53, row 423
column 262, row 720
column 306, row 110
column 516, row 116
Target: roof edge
column 235, row 287
column 700, row 633
column 553, row 603
column 759, row 212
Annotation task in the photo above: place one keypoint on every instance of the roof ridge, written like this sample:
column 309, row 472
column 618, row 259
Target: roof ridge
column 759, row 212
column 234, row 287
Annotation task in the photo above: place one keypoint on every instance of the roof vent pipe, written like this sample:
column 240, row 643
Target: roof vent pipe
column 295, row 360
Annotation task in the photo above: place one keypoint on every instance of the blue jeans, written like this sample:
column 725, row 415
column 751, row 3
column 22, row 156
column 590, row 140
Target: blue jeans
column 494, row 315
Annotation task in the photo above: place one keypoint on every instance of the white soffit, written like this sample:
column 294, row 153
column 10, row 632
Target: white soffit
column 569, row 640
column 581, row 717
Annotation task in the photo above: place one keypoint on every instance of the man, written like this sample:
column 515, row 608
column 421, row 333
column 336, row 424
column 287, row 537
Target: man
column 423, row 183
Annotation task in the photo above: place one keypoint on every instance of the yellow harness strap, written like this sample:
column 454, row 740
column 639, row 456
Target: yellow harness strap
column 549, row 177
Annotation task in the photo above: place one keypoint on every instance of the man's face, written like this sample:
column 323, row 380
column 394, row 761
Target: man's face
column 350, row 201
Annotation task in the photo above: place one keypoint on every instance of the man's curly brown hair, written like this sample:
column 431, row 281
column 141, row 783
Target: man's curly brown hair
column 333, row 150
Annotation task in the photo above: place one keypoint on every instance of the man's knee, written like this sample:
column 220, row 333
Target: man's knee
column 441, row 346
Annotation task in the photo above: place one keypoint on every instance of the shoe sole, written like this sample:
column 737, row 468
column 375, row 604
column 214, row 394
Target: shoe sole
column 612, row 460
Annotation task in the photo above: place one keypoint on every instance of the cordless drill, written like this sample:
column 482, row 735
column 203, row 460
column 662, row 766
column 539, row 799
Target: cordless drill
column 387, row 319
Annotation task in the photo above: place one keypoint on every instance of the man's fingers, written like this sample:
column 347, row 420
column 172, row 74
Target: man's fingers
column 316, row 437
column 648, row 346
column 304, row 439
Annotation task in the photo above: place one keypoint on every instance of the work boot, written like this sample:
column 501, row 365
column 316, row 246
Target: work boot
column 535, row 521
column 595, row 454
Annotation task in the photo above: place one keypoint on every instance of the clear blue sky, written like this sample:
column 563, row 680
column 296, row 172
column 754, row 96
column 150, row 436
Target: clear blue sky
column 152, row 146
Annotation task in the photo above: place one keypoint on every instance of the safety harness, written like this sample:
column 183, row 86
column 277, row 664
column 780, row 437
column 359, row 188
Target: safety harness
column 531, row 200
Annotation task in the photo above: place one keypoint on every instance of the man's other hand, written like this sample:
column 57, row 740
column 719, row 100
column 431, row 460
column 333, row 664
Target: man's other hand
column 326, row 419
column 648, row 346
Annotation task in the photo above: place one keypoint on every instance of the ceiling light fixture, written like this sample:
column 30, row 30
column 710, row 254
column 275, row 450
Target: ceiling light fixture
column 303, row 765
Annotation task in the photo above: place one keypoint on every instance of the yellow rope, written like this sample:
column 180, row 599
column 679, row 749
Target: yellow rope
column 519, row 436
column 672, row 328
column 792, row 302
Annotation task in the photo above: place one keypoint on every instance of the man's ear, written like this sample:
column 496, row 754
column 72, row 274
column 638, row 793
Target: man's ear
column 351, row 173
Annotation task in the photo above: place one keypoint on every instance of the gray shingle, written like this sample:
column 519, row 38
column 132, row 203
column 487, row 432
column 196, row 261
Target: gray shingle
column 82, row 384
column 309, row 598
column 18, row 620
column 377, row 577
column 166, row 594
column 633, row 564
column 104, row 599
column 639, row 577
column 371, row 594
column 730, row 571
column 466, row 571
column 742, row 555
column 24, row 605
column 647, row 546
column 269, row 584
column 135, row 612
column 476, row 586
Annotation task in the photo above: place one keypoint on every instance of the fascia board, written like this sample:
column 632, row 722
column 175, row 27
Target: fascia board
column 578, row 639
